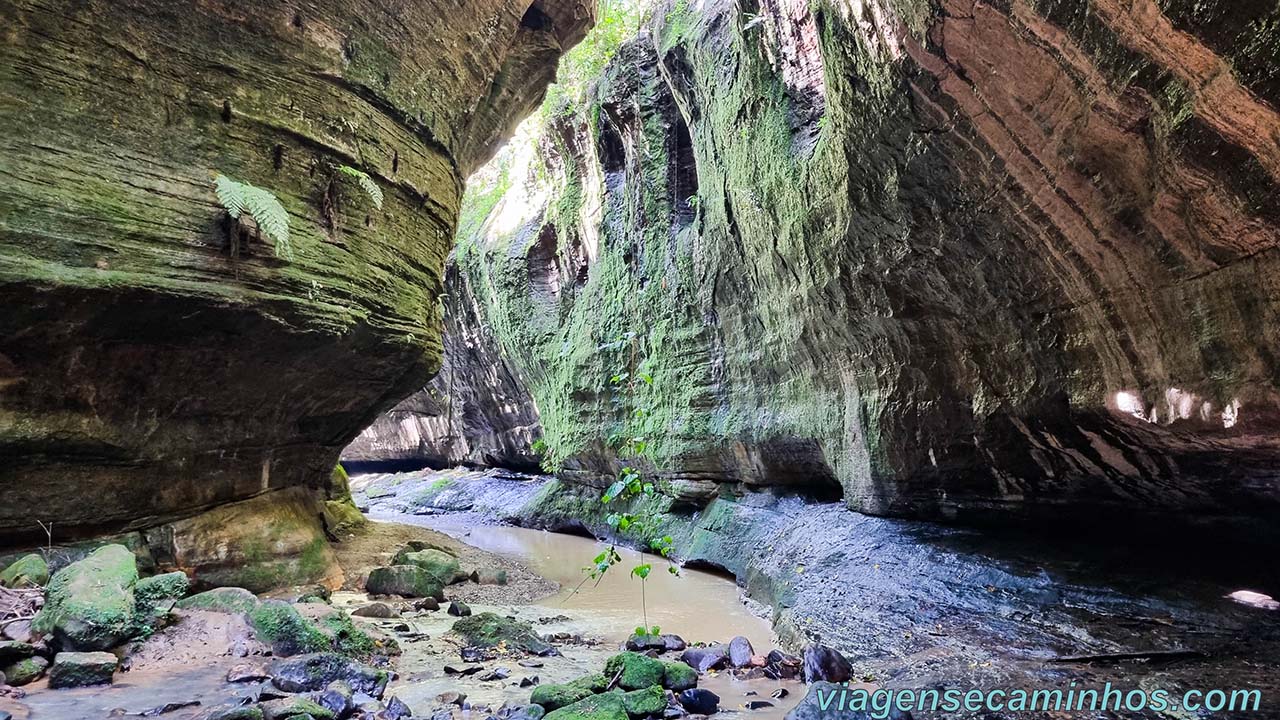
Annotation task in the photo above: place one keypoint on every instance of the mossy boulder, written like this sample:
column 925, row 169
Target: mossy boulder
column 554, row 697
column 646, row 702
column 439, row 564
column 404, row 580
column 24, row 671
column 155, row 596
column 315, row 672
column 11, row 650
column 605, row 706
column 296, row 708
column 490, row 630
column 29, row 571
column 677, row 676
column 230, row 600
column 82, row 669
column 634, row 671
column 90, row 604
column 280, row 625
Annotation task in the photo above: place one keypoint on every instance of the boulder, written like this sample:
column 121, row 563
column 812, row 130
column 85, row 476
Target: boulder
column 280, row 625
column 224, row 600
column 699, row 701
column 404, row 580
column 12, row 650
column 705, row 658
column 780, row 665
column 315, row 672
column 247, row 672
column 822, row 663
column 90, row 604
column 489, row 576
column 488, row 630
column 605, row 706
column 24, row 671
column 81, row 669
column 527, row 712
column 296, row 708
column 338, row 698
column 28, row 571
column 230, row 711
column 634, row 671
column 440, row 565
column 678, row 676
column 740, row 652
column 553, row 697
column 154, row 598
column 396, row 710
column 19, row 630
column 643, row 703
column 459, row 609
column 376, row 610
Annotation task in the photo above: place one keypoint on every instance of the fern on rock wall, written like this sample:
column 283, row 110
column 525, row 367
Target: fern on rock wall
column 366, row 183
column 273, row 221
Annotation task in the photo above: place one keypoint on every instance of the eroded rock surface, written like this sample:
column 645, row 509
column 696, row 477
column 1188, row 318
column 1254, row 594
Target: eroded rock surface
column 154, row 360
column 978, row 262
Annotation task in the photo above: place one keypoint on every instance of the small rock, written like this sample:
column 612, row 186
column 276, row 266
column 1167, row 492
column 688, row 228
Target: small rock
column 673, row 643
column 29, row 571
column 429, row 604
column 530, row 663
column 451, row 670
column 452, row 697
column 404, row 580
column 473, row 654
column 707, row 658
column 740, row 652
column 396, row 710
column 527, row 712
column 247, row 672
column 489, row 576
column 338, row 698
column 77, row 669
column 822, row 663
column 699, row 701
column 459, row 609
column 495, row 674
column 11, row 650
column 24, row 672
column 378, row 610
column 757, row 704
column 19, row 631
column 168, row 708
column 780, row 693
column 781, row 666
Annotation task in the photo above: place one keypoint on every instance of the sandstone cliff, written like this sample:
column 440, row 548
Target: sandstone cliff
column 155, row 360
column 973, row 261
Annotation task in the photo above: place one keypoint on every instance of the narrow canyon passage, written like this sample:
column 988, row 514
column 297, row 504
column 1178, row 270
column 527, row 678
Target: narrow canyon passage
column 639, row 359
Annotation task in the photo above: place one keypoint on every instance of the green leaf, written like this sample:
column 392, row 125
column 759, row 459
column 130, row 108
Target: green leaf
column 272, row 219
column 366, row 183
column 641, row 571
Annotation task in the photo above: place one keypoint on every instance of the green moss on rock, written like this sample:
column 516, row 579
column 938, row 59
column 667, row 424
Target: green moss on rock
column 487, row 629
column 642, row 703
column 605, row 706
column 404, row 580
column 440, row 565
column 82, row 669
column 24, row 671
column 29, row 571
column 554, row 697
column 90, row 604
column 634, row 671
column 223, row 600
column 280, row 625
column 677, row 676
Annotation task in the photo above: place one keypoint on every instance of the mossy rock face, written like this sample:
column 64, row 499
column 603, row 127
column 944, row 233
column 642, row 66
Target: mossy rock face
column 223, row 600
column 642, row 703
column 490, row 630
column 440, row 565
column 404, row 580
column 29, row 571
column 82, row 669
column 554, row 697
column 24, row 671
column 90, row 604
column 677, row 676
column 342, row 517
column 637, row 671
column 605, row 706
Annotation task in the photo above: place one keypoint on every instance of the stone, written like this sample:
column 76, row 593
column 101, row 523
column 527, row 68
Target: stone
column 82, row 669
column 703, row 659
column 527, row 712
column 396, row 710
column 643, row 703
column 825, row 664
column 678, row 676
column 487, row 630
column 11, row 650
column 247, row 672
column 699, row 701
column 673, row 643
column 314, row 672
column 404, row 580
column 459, row 609
column 296, row 594
column 440, row 565
column 232, row 600
column 90, row 604
column 489, row 576
column 28, row 571
column 634, row 671
column 757, row 704
column 605, row 706
column 555, row 696
column 740, row 652
column 296, row 708
column 231, row 711
column 338, row 698
column 376, row 610
column 155, row 596
column 25, row 671
column 429, row 604
column 18, row 630
column 780, row 665
column 452, row 697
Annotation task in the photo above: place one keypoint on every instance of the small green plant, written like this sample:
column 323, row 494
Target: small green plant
column 270, row 217
column 365, row 182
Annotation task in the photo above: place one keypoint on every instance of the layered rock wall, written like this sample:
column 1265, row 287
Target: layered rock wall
column 972, row 261
column 155, row 360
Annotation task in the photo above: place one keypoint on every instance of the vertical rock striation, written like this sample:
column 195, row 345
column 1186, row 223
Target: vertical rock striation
column 150, row 366
column 973, row 261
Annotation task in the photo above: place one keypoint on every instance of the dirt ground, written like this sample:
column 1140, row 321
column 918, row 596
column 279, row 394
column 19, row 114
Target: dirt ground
column 374, row 545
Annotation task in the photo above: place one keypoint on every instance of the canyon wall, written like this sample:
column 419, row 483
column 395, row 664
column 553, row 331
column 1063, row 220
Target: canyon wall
column 158, row 358
column 988, row 262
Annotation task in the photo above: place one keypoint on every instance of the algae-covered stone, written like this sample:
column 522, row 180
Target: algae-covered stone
column 634, row 671
column 554, row 697
column 155, row 596
column 489, row 630
column 605, row 706
column 29, row 571
column 642, row 703
column 90, row 604
column 296, row 708
column 280, row 625
column 404, row 580
column 24, row 671
column 315, row 672
column 677, row 676
column 81, row 669
column 440, row 565
column 230, row 600
column 11, row 650
column 233, row 712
